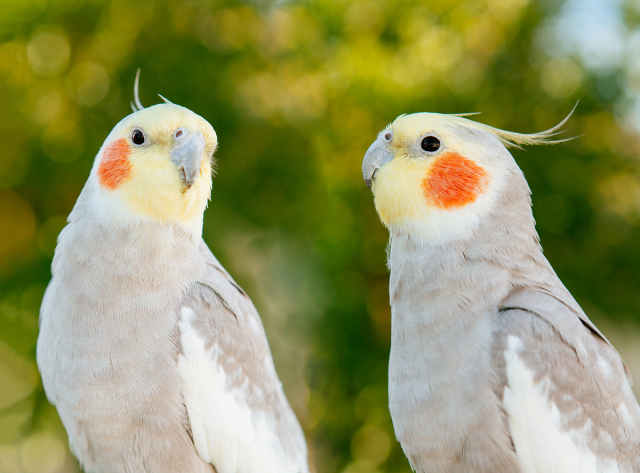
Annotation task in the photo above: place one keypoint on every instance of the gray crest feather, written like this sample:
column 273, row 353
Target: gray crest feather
column 136, row 105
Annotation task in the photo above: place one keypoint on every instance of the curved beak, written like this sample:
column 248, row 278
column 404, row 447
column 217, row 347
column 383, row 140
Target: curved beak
column 187, row 156
column 375, row 157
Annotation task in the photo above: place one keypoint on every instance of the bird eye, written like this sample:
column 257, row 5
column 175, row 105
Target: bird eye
column 137, row 137
column 430, row 143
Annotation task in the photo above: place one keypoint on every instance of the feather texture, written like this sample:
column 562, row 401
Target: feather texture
column 494, row 367
column 155, row 359
column 240, row 418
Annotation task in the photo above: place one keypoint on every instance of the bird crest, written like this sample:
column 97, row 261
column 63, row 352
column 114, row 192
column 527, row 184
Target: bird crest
column 136, row 105
column 510, row 139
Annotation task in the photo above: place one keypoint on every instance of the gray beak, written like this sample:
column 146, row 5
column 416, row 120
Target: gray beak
column 375, row 157
column 187, row 154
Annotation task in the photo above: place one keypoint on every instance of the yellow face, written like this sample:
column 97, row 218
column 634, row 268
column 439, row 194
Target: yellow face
column 158, row 162
column 397, row 190
column 427, row 179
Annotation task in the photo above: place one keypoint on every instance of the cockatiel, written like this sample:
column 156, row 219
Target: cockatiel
column 494, row 367
column 156, row 360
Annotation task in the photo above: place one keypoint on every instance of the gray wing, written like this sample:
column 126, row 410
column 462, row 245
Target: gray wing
column 239, row 416
column 564, row 388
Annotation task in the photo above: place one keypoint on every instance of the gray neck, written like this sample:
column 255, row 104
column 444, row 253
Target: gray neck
column 505, row 241
column 131, row 272
column 445, row 302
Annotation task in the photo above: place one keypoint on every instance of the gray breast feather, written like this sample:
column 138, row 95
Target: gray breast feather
column 585, row 377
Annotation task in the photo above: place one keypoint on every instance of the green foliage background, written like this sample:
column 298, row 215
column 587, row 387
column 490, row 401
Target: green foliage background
column 296, row 92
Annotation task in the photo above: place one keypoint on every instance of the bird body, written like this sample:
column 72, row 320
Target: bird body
column 155, row 359
column 494, row 367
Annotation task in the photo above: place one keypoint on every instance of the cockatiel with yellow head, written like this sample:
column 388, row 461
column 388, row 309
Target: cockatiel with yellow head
column 156, row 360
column 494, row 367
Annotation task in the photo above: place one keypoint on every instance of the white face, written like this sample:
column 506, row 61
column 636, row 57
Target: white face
column 156, row 166
column 437, row 179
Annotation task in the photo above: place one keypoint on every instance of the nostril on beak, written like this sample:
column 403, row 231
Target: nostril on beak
column 180, row 133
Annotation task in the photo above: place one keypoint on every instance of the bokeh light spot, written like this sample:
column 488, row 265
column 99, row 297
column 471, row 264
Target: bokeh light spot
column 365, row 18
column 561, row 77
column 46, row 105
column 621, row 194
column 48, row 54
column 42, row 452
column 88, row 83
column 9, row 461
column 371, row 445
column 18, row 377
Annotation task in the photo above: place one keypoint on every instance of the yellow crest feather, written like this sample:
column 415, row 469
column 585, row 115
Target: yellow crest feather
column 510, row 138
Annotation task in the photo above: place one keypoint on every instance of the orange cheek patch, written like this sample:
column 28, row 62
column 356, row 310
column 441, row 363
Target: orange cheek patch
column 115, row 167
column 454, row 181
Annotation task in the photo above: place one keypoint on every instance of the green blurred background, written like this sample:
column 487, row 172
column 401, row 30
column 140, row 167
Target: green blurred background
column 296, row 91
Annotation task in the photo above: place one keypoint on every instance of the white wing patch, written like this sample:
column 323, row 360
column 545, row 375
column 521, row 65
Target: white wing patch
column 226, row 432
column 536, row 425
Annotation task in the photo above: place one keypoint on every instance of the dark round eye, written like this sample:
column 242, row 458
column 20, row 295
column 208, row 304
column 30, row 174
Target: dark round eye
column 137, row 137
column 430, row 143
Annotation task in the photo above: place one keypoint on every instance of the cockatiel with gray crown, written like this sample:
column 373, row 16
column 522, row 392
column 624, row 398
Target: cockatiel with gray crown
column 494, row 367
column 156, row 360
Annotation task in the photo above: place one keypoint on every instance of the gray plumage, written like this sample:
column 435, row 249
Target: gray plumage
column 476, row 310
column 112, row 346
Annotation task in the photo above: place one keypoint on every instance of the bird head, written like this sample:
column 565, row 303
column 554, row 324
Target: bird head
column 435, row 176
column 156, row 165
